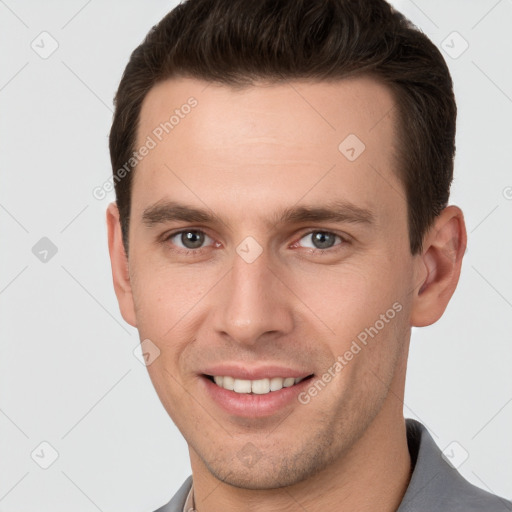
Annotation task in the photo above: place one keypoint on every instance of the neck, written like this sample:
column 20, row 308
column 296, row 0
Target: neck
column 373, row 475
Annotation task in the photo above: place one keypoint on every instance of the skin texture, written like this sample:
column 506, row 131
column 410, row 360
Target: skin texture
column 245, row 155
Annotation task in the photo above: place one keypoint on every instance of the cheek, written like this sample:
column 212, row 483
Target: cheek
column 164, row 297
column 348, row 299
column 362, row 314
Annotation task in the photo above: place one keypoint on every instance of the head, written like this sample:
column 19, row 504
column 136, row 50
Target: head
column 290, row 208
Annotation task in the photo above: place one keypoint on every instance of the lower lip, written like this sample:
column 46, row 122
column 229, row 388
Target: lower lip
column 251, row 405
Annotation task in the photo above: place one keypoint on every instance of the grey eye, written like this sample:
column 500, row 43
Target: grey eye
column 189, row 239
column 322, row 239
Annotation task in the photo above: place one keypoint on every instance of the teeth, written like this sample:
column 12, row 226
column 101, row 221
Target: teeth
column 276, row 383
column 242, row 386
column 290, row 381
column 258, row 387
column 228, row 383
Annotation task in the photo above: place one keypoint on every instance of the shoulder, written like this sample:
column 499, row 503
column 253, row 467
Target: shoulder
column 178, row 500
column 437, row 486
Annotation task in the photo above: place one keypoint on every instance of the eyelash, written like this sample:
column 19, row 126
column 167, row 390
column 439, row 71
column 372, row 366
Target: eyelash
column 199, row 251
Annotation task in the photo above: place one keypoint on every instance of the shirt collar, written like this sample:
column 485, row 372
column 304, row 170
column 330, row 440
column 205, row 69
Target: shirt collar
column 189, row 502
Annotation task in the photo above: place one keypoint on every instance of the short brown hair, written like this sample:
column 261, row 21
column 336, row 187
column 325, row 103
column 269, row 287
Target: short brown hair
column 237, row 42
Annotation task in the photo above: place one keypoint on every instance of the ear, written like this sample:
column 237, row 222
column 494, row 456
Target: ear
column 120, row 268
column 438, row 267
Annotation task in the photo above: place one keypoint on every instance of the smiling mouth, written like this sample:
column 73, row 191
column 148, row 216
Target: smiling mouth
column 255, row 387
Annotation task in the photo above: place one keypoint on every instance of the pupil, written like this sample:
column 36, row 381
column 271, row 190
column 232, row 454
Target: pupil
column 324, row 240
column 192, row 239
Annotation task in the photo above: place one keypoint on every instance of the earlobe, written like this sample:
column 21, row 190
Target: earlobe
column 119, row 264
column 439, row 266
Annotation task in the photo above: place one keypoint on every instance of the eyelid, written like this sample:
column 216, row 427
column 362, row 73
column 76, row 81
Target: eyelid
column 167, row 236
column 345, row 239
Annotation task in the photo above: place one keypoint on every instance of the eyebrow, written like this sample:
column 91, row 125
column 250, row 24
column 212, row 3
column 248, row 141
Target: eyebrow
column 334, row 211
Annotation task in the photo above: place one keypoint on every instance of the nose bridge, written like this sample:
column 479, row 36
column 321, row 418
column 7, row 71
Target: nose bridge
column 253, row 301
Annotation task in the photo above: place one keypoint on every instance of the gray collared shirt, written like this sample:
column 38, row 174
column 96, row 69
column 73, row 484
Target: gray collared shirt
column 435, row 485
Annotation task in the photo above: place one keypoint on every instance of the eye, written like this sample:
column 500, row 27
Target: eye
column 322, row 240
column 189, row 239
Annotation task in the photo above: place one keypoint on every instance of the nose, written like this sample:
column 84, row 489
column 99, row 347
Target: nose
column 253, row 302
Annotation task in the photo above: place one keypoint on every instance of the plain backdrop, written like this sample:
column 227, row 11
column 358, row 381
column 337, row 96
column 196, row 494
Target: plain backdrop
column 73, row 392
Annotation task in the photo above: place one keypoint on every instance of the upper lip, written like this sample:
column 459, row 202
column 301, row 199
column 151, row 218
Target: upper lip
column 238, row 371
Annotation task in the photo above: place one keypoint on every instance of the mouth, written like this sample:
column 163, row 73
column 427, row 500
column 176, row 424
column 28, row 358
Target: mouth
column 255, row 387
column 254, row 392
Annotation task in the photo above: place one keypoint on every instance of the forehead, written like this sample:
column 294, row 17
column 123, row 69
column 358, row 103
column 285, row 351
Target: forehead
column 316, row 108
column 269, row 144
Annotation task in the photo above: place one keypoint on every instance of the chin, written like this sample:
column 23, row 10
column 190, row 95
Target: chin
column 265, row 474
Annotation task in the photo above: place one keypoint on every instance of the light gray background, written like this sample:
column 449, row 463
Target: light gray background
column 68, row 373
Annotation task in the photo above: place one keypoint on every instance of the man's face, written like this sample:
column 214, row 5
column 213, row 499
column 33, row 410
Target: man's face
column 250, row 293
